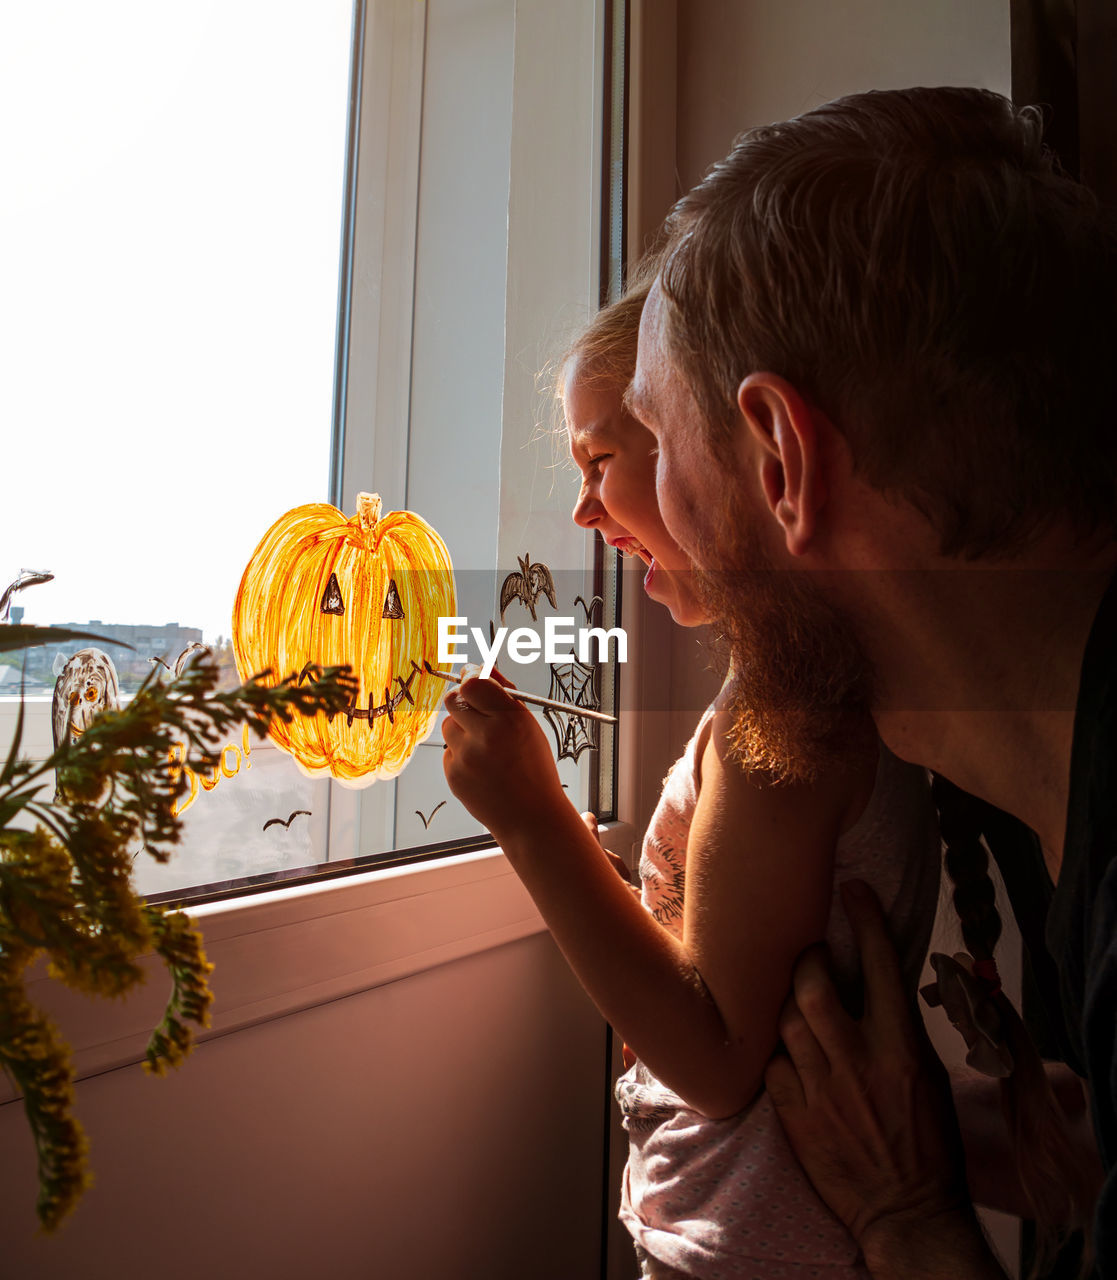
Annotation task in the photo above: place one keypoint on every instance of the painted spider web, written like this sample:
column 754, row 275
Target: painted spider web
column 573, row 682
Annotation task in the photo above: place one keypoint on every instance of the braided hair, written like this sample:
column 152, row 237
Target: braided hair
column 1052, row 1178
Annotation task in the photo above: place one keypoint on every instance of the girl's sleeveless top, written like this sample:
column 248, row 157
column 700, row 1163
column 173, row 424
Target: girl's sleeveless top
column 726, row 1199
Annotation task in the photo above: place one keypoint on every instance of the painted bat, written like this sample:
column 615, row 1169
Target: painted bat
column 532, row 581
column 27, row 578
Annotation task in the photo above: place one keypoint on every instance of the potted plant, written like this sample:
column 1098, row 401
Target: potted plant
column 66, row 887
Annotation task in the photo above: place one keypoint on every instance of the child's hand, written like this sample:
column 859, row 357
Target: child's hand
column 497, row 759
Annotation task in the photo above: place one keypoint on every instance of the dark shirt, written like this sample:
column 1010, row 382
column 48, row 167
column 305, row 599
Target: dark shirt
column 1082, row 918
column 1070, row 932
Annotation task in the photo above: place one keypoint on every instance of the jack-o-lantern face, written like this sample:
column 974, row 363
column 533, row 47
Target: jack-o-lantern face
column 86, row 685
column 363, row 592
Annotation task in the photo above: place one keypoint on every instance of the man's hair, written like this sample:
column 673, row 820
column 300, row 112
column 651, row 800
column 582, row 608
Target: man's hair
column 917, row 265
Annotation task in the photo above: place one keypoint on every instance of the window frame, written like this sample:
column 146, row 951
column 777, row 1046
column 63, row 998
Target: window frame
column 379, row 249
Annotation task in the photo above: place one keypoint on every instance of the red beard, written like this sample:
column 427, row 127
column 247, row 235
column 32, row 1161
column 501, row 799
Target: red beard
column 800, row 679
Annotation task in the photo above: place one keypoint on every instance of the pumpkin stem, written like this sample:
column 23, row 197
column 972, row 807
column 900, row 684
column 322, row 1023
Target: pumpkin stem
column 368, row 510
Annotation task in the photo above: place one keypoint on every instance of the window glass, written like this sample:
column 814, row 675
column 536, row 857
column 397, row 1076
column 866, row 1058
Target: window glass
column 179, row 371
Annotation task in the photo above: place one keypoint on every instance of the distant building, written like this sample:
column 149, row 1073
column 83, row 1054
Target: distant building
column 146, row 640
column 150, row 644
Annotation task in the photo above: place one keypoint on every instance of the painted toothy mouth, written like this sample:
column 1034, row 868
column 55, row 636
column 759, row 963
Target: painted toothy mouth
column 390, row 705
column 76, row 729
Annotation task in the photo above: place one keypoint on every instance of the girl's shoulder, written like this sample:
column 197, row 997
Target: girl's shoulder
column 701, row 739
column 837, row 794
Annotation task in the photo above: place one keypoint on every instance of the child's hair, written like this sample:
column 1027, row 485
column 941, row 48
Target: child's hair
column 1052, row 1178
column 605, row 350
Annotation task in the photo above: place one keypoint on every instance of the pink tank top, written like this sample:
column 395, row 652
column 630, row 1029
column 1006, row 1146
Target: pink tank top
column 726, row 1199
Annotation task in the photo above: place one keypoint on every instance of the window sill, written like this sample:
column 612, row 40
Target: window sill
column 275, row 953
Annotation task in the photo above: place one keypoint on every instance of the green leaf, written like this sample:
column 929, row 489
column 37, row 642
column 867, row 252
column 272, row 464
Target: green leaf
column 12, row 804
column 22, row 636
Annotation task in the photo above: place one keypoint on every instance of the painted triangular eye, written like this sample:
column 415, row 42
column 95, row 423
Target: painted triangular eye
column 393, row 606
column 331, row 597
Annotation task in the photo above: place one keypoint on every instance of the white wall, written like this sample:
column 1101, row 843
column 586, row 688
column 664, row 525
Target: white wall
column 443, row 1127
column 748, row 62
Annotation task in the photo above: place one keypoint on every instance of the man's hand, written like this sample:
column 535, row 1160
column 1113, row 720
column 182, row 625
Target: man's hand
column 866, row 1106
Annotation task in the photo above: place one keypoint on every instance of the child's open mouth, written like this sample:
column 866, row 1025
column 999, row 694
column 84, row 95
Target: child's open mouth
column 631, row 547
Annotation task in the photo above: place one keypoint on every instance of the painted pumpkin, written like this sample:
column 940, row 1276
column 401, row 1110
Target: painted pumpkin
column 367, row 592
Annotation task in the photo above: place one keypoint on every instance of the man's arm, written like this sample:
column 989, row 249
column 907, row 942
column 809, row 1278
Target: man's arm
column 866, row 1106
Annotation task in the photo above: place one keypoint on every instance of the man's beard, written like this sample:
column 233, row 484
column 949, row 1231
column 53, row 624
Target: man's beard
column 801, row 682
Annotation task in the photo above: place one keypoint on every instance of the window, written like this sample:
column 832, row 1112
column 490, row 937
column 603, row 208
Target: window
column 176, row 341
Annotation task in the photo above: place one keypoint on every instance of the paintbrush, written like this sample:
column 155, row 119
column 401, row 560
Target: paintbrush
column 535, row 698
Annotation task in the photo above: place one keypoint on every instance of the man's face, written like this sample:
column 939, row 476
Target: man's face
column 799, row 675
column 687, row 473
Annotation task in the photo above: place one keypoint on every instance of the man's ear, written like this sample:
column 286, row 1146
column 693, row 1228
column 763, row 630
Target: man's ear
column 783, row 444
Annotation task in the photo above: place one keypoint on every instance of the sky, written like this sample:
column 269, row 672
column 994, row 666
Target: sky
column 170, row 208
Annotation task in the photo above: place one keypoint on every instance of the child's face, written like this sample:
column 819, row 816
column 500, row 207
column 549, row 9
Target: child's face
column 616, row 456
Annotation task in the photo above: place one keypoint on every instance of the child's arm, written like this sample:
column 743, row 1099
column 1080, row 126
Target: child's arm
column 701, row 1013
column 759, row 884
